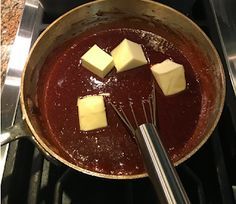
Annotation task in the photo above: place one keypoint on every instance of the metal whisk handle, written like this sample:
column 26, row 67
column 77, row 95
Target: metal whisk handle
column 160, row 170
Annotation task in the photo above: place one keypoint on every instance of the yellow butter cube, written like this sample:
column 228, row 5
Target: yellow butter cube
column 169, row 76
column 92, row 113
column 97, row 61
column 128, row 55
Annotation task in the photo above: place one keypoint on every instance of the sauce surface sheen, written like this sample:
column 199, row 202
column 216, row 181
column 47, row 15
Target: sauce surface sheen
column 113, row 150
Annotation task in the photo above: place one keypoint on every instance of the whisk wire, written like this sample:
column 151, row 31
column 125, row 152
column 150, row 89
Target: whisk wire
column 123, row 117
column 127, row 120
column 151, row 117
column 154, row 104
column 150, row 108
column 144, row 110
column 132, row 111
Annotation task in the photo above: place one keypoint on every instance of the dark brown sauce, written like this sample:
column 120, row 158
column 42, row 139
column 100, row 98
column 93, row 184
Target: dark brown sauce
column 112, row 150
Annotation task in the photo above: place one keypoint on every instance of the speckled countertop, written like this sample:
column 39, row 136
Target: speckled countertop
column 10, row 17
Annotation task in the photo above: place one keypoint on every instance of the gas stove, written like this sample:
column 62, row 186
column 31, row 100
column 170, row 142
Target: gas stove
column 208, row 176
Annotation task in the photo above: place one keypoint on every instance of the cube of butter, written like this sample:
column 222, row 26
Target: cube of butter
column 169, row 76
column 97, row 61
column 128, row 55
column 92, row 113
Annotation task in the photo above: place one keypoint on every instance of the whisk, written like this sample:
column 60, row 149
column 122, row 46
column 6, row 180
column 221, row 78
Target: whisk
column 163, row 175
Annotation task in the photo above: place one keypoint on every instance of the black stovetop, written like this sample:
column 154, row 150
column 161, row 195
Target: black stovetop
column 208, row 176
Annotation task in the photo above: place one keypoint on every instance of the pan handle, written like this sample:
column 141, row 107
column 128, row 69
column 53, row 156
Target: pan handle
column 20, row 130
column 160, row 169
column 14, row 132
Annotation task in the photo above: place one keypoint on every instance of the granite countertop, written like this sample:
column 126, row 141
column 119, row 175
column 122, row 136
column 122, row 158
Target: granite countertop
column 11, row 15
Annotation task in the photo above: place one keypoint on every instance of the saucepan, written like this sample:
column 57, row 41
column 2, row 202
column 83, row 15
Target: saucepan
column 152, row 17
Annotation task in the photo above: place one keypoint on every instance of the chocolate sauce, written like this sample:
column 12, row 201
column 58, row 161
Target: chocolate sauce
column 112, row 150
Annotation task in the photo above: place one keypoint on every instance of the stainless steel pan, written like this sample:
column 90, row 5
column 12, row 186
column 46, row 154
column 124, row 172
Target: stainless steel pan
column 185, row 32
